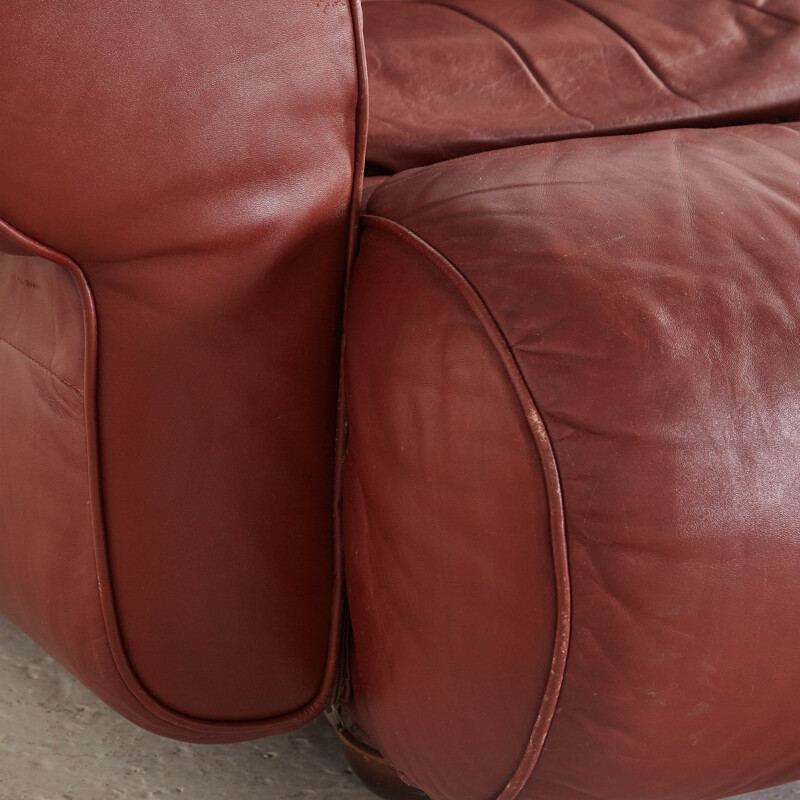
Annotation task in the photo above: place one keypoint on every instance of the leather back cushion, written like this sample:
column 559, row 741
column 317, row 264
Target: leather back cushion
column 462, row 76
column 169, row 389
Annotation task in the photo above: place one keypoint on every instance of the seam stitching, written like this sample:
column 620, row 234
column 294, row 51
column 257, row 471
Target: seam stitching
column 43, row 366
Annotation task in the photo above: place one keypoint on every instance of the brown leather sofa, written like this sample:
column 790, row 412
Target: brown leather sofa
column 513, row 493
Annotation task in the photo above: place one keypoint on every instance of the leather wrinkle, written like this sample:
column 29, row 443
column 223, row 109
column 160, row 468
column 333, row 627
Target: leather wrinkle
column 43, row 366
column 767, row 11
column 620, row 32
column 535, row 75
column 628, row 67
column 788, row 128
column 543, row 445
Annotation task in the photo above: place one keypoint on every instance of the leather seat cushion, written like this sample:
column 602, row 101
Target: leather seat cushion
column 571, row 490
column 463, row 76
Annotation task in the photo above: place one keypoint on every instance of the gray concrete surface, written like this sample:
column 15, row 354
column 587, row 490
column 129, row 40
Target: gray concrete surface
column 58, row 742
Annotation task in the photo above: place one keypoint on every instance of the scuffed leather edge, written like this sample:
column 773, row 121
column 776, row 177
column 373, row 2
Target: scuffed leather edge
column 469, row 293
column 146, row 709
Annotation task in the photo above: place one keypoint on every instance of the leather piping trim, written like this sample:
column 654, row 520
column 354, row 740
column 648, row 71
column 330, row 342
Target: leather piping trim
column 362, row 122
column 149, row 705
column 544, row 447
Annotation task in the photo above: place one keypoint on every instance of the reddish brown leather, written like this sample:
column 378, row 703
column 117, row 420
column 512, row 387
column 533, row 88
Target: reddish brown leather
column 439, row 542
column 167, row 506
column 453, row 77
column 377, row 774
column 43, row 436
column 632, row 303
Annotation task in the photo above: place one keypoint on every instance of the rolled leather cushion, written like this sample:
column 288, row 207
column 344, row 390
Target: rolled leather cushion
column 458, row 77
column 571, row 492
column 177, row 190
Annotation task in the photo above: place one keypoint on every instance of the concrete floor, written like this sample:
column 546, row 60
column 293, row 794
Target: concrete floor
column 58, row 742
